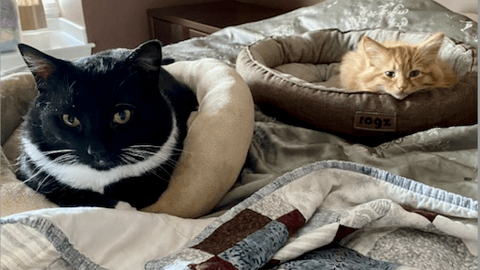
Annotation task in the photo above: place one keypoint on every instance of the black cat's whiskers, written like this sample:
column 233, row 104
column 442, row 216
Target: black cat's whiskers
column 159, row 147
column 174, row 151
column 162, row 167
column 40, row 183
column 143, row 152
column 65, row 159
column 155, row 172
column 127, row 160
column 34, row 177
column 134, row 155
column 62, row 151
column 138, row 153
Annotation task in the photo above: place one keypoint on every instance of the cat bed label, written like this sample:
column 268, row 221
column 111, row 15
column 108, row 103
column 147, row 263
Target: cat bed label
column 375, row 121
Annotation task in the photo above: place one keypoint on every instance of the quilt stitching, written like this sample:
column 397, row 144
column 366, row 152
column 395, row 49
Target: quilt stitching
column 254, row 250
column 257, row 249
column 337, row 257
column 229, row 233
column 250, row 239
column 293, row 221
column 269, row 207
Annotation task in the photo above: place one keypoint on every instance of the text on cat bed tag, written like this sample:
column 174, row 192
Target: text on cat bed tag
column 375, row 121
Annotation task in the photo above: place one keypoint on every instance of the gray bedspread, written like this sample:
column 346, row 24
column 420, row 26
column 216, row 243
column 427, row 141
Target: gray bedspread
column 442, row 157
column 305, row 199
column 345, row 15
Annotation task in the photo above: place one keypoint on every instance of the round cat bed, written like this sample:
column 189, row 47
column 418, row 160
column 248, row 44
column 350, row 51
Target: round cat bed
column 215, row 148
column 289, row 79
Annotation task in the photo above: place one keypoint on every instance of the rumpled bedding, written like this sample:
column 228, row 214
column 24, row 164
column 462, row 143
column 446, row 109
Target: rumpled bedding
column 305, row 199
column 401, row 15
column 283, row 225
column 330, row 214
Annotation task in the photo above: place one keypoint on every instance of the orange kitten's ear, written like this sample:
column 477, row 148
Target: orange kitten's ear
column 429, row 49
column 374, row 51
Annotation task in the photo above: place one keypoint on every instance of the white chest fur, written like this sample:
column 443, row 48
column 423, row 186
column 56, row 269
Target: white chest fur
column 84, row 177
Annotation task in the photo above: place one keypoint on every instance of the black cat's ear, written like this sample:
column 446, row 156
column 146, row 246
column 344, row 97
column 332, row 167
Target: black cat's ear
column 147, row 56
column 39, row 63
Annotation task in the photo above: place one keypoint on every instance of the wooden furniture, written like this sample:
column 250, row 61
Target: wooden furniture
column 177, row 23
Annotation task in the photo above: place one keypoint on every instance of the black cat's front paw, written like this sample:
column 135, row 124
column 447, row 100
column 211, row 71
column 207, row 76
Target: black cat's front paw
column 79, row 198
column 124, row 206
column 167, row 61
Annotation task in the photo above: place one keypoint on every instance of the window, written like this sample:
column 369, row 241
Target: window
column 52, row 9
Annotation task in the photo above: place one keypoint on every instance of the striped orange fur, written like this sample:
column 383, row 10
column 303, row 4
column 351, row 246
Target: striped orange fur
column 396, row 67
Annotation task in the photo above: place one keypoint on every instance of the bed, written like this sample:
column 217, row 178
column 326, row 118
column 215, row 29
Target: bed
column 303, row 198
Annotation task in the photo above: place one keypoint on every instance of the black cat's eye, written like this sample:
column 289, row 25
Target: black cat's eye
column 70, row 121
column 122, row 117
column 414, row 73
column 390, row 74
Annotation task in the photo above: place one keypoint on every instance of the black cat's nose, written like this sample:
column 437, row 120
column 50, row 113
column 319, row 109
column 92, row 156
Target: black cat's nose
column 98, row 153
column 98, row 158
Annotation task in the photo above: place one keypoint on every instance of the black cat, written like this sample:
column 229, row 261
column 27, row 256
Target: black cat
column 104, row 128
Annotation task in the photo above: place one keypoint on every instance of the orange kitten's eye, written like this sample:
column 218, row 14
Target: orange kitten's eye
column 414, row 73
column 390, row 74
column 70, row 121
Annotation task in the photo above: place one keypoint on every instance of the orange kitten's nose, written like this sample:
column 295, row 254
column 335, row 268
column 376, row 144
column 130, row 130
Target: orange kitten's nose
column 402, row 83
column 402, row 87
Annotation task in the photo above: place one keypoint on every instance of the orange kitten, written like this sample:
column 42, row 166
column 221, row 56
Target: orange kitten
column 395, row 67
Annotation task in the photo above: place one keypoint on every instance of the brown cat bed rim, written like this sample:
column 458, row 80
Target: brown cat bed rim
column 340, row 51
column 302, row 103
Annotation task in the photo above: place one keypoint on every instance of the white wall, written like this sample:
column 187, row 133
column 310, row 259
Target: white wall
column 72, row 10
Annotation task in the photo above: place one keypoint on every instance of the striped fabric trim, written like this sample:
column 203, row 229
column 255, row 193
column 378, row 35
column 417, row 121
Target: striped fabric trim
column 466, row 205
column 51, row 234
column 23, row 247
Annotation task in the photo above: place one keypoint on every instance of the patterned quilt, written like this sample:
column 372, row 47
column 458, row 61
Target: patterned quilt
column 298, row 221
column 326, row 215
